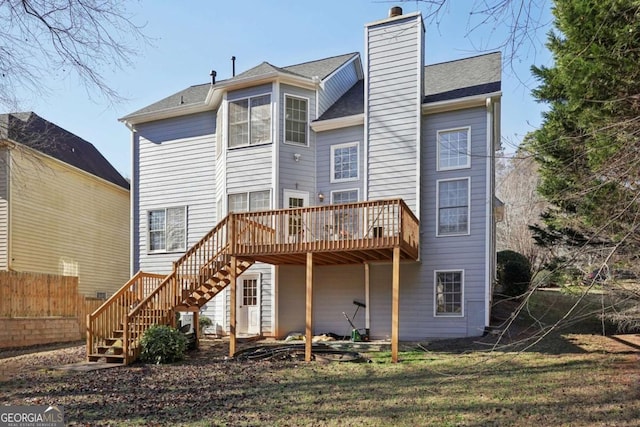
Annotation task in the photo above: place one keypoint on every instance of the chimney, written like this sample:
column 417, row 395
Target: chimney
column 395, row 11
column 213, row 75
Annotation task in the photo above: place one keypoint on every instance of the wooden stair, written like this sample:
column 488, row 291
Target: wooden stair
column 114, row 330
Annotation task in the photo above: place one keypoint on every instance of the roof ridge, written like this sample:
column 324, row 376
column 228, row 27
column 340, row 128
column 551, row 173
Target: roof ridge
column 322, row 59
column 465, row 58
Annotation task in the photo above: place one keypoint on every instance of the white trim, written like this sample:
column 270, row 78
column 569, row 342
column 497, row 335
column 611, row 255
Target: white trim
column 420, row 94
column 133, row 250
column 345, row 190
column 284, row 120
column 343, row 66
column 275, row 152
column 338, row 123
column 257, row 276
column 332, row 165
column 394, row 18
column 435, row 293
column 248, row 193
column 365, row 118
column 467, row 155
column 249, row 98
column 458, row 103
column 489, row 223
column 304, row 195
column 186, row 235
column 462, row 178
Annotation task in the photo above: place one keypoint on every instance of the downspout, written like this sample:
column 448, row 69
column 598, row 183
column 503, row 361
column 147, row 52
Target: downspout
column 488, row 214
column 132, row 211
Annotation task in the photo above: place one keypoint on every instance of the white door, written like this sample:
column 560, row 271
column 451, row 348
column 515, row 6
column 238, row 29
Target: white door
column 248, row 320
column 295, row 226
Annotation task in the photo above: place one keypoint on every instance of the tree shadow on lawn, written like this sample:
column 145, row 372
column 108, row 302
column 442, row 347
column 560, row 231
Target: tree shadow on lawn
column 291, row 393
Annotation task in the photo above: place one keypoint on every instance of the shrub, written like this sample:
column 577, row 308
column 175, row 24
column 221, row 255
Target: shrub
column 162, row 344
column 514, row 273
column 203, row 323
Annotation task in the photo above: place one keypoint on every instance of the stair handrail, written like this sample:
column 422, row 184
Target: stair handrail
column 116, row 307
column 168, row 294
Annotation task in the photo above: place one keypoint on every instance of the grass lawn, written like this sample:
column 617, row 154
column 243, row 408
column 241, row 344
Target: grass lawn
column 572, row 377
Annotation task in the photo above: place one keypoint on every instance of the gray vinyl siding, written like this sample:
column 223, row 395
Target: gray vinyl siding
column 466, row 253
column 336, row 86
column 251, row 91
column 4, row 208
column 296, row 175
column 249, row 169
column 325, row 140
column 175, row 167
column 393, row 91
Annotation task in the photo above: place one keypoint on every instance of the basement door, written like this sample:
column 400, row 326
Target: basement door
column 248, row 312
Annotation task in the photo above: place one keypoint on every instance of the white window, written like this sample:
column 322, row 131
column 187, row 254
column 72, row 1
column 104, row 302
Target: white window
column 453, row 207
column 449, row 287
column 296, row 120
column 347, row 196
column 454, row 148
column 250, row 202
column 344, row 162
column 250, row 121
column 167, row 229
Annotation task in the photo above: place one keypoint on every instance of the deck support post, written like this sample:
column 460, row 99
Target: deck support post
column 367, row 299
column 395, row 304
column 196, row 327
column 309, row 309
column 233, row 305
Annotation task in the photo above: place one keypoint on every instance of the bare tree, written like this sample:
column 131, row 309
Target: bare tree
column 63, row 37
column 516, row 187
column 514, row 25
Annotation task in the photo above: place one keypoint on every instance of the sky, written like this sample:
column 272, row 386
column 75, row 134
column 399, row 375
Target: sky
column 190, row 38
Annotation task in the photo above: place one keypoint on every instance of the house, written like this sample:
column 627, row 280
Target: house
column 319, row 188
column 64, row 209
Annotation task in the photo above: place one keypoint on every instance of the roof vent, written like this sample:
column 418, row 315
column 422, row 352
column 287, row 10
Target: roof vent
column 395, row 11
column 213, row 75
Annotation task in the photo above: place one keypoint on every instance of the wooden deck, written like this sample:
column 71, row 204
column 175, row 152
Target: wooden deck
column 354, row 233
column 336, row 234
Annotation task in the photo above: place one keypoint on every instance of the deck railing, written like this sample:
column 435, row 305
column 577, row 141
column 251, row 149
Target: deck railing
column 351, row 226
column 111, row 315
column 150, row 299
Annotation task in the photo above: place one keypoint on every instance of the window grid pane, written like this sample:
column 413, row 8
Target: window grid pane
column 261, row 119
column 250, row 292
column 345, row 163
column 259, row 201
column 238, row 123
column 296, row 120
column 238, row 202
column 453, row 146
column 175, row 239
column 449, row 292
column 156, row 230
column 453, row 209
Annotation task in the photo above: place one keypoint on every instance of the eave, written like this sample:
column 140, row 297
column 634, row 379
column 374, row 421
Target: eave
column 459, row 103
column 338, row 123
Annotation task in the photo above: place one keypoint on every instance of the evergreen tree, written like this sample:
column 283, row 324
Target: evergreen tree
column 588, row 147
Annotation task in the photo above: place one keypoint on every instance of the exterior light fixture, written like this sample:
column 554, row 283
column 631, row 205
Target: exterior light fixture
column 321, row 197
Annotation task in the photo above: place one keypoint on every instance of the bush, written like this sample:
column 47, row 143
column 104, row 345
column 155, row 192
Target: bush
column 162, row 344
column 514, row 273
column 203, row 323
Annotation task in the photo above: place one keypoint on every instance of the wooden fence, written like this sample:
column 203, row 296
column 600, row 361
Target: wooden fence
column 26, row 295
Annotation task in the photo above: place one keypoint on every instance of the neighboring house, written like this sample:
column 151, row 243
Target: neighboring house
column 314, row 136
column 64, row 209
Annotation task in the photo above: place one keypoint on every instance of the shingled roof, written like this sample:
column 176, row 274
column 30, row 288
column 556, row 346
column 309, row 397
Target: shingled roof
column 463, row 77
column 33, row 131
column 444, row 81
column 197, row 94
